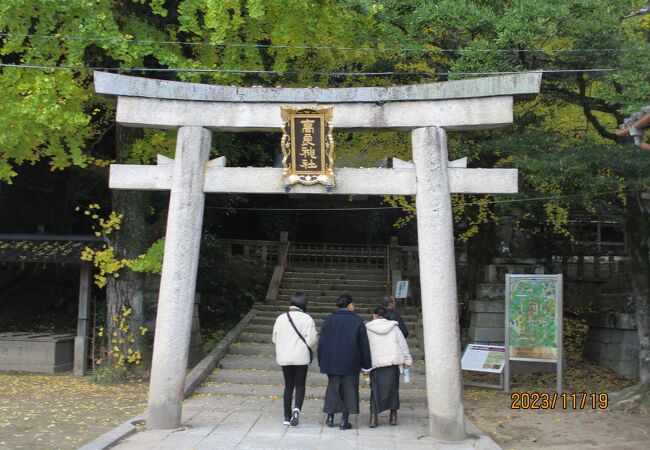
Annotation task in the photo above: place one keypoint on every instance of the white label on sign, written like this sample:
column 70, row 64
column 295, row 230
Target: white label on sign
column 402, row 289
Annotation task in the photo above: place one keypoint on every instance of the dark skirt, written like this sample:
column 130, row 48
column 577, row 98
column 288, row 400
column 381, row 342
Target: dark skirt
column 342, row 394
column 384, row 389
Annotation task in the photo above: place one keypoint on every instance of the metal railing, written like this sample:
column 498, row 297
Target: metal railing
column 338, row 255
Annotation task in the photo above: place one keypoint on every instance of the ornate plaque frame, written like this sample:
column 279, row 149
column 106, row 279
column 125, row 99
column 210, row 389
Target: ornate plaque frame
column 305, row 160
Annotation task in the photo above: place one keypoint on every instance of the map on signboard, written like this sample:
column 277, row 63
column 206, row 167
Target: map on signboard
column 532, row 327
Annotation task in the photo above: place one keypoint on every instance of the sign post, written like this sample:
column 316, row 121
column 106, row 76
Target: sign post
column 534, row 321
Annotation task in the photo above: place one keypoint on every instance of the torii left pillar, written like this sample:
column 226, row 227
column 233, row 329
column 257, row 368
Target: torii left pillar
column 178, row 281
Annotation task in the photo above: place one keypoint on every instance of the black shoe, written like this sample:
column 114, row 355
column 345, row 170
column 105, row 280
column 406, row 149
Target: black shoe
column 330, row 420
column 295, row 417
column 345, row 425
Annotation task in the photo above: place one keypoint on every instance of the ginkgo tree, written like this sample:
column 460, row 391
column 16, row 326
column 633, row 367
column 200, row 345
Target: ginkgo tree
column 593, row 52
column 50, row 113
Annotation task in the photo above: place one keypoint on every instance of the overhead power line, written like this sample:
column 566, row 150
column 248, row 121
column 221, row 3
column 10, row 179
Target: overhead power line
column 314, row 47
column 366, row 208
column 298, row 72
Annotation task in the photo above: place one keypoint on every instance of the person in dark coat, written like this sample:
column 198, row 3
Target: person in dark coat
column 343, row 351
column 389, row 303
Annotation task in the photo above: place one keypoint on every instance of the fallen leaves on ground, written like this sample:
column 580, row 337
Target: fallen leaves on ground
column 39, row 411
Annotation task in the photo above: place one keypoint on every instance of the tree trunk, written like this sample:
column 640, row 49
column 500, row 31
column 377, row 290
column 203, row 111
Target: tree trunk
column 125, row 294
column 637, row 398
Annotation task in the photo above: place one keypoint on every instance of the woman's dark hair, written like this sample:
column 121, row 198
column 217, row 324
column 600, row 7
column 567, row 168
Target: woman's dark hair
column 380, row 311
column 299, row 300
column 387, row 300
column 344, row 300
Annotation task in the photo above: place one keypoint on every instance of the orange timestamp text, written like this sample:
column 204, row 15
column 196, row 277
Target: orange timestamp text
column 561, row 400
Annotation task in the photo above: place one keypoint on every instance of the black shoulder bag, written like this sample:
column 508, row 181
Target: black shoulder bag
column 311, row 353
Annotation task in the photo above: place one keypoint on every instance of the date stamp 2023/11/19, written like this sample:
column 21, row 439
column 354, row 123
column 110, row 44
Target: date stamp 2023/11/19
column 555, row 400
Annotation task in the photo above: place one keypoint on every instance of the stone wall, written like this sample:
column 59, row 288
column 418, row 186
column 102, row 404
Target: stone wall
column 613, row 342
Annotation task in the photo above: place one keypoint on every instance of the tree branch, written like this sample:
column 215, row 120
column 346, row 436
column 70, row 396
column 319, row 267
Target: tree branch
column 587, row 109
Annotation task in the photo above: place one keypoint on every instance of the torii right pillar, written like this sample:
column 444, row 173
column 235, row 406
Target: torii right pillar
column 438, row 285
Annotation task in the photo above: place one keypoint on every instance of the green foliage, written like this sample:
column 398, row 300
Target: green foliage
column 151, row 261
column 54, row 115
column 585, row 174
column 213, row 338
column 230, row 286
column 109, row 375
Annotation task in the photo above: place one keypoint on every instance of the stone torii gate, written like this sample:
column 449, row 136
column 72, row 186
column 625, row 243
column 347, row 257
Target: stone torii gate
column 428, row 110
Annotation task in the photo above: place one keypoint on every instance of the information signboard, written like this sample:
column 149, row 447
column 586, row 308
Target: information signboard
column 484, row 358
column 534, row 320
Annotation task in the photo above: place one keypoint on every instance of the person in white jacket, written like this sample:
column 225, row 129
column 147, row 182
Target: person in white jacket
column 294, row 336
column 390, row 353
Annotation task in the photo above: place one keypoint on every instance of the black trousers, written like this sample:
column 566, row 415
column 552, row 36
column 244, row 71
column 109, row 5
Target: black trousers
column 342, row 394
column 294, row 378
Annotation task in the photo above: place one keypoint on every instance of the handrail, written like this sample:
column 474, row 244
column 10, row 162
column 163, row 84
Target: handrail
column 278, row 273
column 284, row 258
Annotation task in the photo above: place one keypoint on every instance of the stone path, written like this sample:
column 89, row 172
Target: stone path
column 239, row 406
column 234, row 422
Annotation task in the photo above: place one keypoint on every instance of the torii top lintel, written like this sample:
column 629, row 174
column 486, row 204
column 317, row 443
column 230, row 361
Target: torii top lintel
column 461, row 104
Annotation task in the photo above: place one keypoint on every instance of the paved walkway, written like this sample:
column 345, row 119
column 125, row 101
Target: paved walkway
column 229, row 422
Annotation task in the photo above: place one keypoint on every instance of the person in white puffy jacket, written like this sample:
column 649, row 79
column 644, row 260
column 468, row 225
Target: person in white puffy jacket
column 390, row 354
column 293, row 344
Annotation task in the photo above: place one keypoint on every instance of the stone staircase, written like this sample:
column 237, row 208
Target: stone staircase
column 250, row 370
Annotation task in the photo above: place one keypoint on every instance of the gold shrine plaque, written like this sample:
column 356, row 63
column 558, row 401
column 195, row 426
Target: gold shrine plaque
column 307, row 145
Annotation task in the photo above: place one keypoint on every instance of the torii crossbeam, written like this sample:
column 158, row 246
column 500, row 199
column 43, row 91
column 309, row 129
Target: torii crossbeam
column 427, row 110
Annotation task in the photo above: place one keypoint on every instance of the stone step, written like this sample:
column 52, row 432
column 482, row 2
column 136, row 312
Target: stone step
column 257, row 328
column 335, row 270
column 275, row 377
column 268, row 362
column 336, row 286
column 317, row 307
column 328, row 298
column 366, row 315
column 247, row 336
column 270, row 320
column 411, row 396
column 299, row 276
column 266, row 349
column 332, row 295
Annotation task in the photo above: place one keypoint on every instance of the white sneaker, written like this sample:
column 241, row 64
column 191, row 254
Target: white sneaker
column 295, row 417
column 286, row 421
